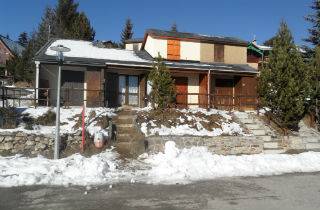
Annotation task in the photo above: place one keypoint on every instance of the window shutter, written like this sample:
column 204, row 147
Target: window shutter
column 218, row 53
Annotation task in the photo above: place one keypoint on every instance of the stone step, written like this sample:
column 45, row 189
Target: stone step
column 253, row 126
column 273, row 151
column 271, row 145
column 128, row 125
column 127, row 112
column 313, row 146
column 124, row 121
column 127, row 130
column 124, row 137
column 242, row 116
column 258, row 132
column 120, row 117
column 310, row 139
column 265, row 138
column 247, row 121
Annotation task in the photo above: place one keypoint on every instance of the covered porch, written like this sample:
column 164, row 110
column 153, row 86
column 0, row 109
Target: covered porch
column 227, row 91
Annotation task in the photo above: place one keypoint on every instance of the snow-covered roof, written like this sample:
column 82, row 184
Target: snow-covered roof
column 86, row 53
column 263, row 47
column 86, row 49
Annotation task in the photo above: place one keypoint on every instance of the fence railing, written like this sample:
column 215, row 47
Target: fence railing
column 14, row 96
column 219, row 101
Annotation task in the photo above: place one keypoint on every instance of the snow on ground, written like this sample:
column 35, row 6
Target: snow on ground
column 76, row 170
column 171, row 167
column 226, row 126
column 197, row 163
column 68, row 119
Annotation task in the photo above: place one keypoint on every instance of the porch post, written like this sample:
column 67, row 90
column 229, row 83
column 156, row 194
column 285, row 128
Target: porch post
column 209, row 87
column 37, row 80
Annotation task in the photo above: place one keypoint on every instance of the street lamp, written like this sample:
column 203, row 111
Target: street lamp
column 60, row 49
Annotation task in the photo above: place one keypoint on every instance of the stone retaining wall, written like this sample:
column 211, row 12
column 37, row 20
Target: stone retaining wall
column 32, row 144
column 224, row 145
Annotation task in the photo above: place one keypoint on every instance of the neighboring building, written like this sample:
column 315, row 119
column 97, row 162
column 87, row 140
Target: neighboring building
column 207, row 70
column 8, row 49
column 257, row 54
column 133, row 44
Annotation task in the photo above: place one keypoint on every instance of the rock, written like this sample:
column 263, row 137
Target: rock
column 37, row 139
column 42, row 146
column 2, row 139
column 21, row 134
column 8, row 145
column 30, row 143
column 8, row 138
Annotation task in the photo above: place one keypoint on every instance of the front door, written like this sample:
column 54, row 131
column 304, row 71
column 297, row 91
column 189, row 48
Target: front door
column 181, row 84
column 72, row 88
column 223, row 93
column 128, row 90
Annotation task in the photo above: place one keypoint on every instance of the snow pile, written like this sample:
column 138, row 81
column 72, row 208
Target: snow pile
column 191, row 122
column 75, row 170
column 171, row 167
column 197, row 163
column 68, row 119
column 85, row 49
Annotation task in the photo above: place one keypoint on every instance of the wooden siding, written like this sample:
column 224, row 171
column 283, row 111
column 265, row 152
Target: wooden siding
column 173, row 50
column 223, row 91
column 246, row 92
column 203, row 89
column 93, row 80
column 219, row 53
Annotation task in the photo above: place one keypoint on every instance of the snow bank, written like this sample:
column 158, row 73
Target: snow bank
column 197, row 163
column 171, row 167
column 75, row 170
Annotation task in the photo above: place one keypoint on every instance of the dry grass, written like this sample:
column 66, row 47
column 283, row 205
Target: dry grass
column 175, row 117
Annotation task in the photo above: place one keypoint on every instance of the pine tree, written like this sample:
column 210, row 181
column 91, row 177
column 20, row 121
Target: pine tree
column 23, row 39
column 314, row 19
column 82, row 29
column 284, row 84
column 270, row 41
column 126, row 33
column 46, row 28
column 162, row 84
column 315, row 82
column 174, row 27
column 70, row 23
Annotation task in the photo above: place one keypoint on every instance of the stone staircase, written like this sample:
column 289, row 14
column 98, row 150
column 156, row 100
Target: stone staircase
column 271, row 143
column 129, row 139
column 309, row 137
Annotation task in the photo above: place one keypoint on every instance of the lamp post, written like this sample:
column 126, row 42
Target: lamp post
column 60, row 49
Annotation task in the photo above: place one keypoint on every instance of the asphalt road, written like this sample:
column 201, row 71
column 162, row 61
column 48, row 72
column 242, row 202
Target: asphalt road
column 293, row 191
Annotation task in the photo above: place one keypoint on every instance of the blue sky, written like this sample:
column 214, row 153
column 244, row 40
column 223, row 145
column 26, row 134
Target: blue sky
column 238, row 18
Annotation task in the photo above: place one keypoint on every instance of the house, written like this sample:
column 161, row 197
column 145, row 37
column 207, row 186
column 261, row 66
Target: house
column 257, row 54
column 208, row 71
column 8, row 49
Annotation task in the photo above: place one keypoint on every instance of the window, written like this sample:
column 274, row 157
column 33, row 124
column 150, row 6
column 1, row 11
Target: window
column 218, row 53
